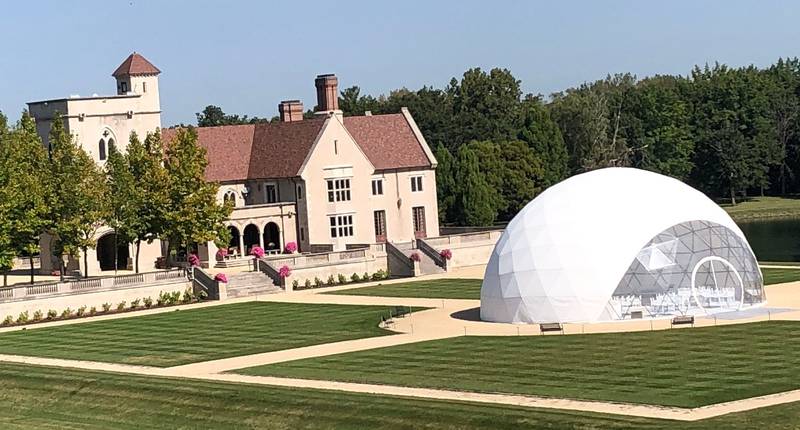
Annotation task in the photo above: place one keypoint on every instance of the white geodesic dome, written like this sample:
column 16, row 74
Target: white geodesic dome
column 618, row 243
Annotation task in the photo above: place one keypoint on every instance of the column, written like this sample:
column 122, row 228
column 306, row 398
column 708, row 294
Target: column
column 241, row 243
column 261, row 236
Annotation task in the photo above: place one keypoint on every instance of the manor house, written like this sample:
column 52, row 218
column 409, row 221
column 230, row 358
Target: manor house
column 327, row 183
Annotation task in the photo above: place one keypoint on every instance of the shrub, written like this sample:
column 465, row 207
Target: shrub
column 446, row 254
column 135, row 303
column 317, row 282
column 188, row 296
column 380, row 274
column 284, row 271
column 148, row 302
column 308, row 283
column 38, row 315
column 162, row 298
column 355, row 277
column 52, row 314
column 202, row 295
column 365, row 277
column 174, row 298
column 81, row 311
column 8, row 320
column 290, row 248
column 342, row 279
column 22, row 318
column 257, row 251
column 92, row 310
column 106, row 307
column 194, row 260
column 121, row 305
column 295, row 284
column 331, row 281
column 415, row 256
column 67, row 313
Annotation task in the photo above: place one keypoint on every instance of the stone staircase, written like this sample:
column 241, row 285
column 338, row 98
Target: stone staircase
column 426, row 265
column 250, row 284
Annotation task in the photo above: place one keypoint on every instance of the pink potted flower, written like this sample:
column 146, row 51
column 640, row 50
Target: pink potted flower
column 194, row 260
column 290, row 248
column 446, row 254
column 220, row 277
column 221, row 254
column 415, row 257
column 257, row 251
column 284, row 271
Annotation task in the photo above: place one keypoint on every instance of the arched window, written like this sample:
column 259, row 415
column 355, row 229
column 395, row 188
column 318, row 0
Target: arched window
column 102, row 149
column 111, row 144
column 230, row 196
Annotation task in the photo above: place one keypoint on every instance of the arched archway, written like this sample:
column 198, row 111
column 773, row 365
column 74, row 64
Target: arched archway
column 233, row 243
column 106, row 255
column 250, row 237
column 272, row 237
column 230, row 197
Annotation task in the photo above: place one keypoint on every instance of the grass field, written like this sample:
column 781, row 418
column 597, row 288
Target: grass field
column 763, row 208
column 181, row 337
column 686, row 367
column 779, row 276
column 434, row 289
column 44, row 397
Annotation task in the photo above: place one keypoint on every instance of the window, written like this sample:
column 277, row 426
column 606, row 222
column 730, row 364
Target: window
column 230, row 196
column 338, row 190
column 123, row 87
column 299, row 191
column 101, row 149
column 379, row 218
column 302, row 234
column 418, row 213
column 336, row 147
column 144, row 87
column 111, row 144
column 341, row 225
column 377, row 187
column 270, row 193
column 416, row 183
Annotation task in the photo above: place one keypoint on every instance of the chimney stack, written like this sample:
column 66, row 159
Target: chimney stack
column 290, row 110
column 327, row 93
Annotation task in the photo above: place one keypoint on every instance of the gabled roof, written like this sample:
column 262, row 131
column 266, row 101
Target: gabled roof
column 135, row 65
column 278, row 150
column 387, row 140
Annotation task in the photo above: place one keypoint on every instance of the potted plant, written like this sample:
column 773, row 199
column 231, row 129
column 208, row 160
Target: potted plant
column 415, row 257
column 194, row 260
column 257, row 252
column 220, row 277
column 221, row 254
column 446, row 254
column 284, row 272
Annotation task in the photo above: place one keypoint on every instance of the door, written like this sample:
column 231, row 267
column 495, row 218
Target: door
column 380, row 226
column 419, row 222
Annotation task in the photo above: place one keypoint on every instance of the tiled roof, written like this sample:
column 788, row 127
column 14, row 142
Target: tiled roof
column 134, row 65
column 277, row 150
column 387, row 140
column 255, row 151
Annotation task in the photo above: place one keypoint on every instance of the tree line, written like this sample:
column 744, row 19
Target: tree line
column 155, row 190
column 730, row 132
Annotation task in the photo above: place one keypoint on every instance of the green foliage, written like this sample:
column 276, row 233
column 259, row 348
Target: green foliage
column 66, row 313
column 331, row 281
column 81, row 311
column 544, row 138
column 355, row 277
column 193, row 214
column 446, row 187
column 379, row 275
column 307, row 284
column 38, row 315
column 135, row 303
column 148, row 302
column 8, row 320
column 23, row 317
column 121, row 306
column 78, row 204
column 477, row 201
column 214, row 116
column 52, row 314
column 295, row 284
column 342, row 279
column 318, row 282
column 92, row 311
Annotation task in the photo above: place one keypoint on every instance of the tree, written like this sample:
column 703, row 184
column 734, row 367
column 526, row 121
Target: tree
column 213, row 116
column 785, row 113
column 544, row 138
column 486, row 106
column 193, row 214
column 28, row 188
column 122, row 199
column 351, row 102
column 77, row 201
column 474, row 201
column 150, row 199
column 445, row 183
column 6, row 228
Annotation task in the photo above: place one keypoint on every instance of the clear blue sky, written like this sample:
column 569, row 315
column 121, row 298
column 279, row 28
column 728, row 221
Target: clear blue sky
column 247, row 56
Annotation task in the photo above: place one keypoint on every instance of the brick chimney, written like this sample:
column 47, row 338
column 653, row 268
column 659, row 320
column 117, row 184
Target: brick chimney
column 290, row 110
column 327, row 93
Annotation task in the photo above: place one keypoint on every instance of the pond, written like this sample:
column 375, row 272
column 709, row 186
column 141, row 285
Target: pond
column 774, row 240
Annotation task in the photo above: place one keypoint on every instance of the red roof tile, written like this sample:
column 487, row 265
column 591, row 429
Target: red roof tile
column 387, row 140
column 277, row 150
column 134, row 65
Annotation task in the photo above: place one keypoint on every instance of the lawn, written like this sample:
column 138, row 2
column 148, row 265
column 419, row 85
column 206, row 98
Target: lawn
column 44, row 397
column 180, row 337
column 779, row 276
column 434, row 289
column 763, row 208
column 686, row 367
